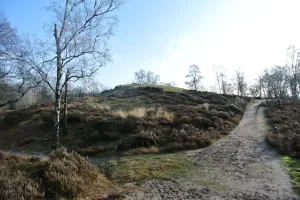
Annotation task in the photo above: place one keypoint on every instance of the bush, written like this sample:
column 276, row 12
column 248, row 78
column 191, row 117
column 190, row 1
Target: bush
column 142, row 139
column 17, row 185
column 283, row 117
column 69, row 174
column 63, row 176
column 91, row 150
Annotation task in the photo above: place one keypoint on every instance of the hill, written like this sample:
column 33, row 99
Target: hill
column 128, row 119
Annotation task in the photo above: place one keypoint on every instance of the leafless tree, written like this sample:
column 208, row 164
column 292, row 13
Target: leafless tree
column 171, row 84
column 241, row 86
column 152, row 78
column 230, row 88
column 221, row 78
column 275, row 82
column 16, row 76
column 194, row 77
column 44, row 93
column 293, row 63
column 92, row 86
column 140, row 77
column 143, row 77
column 81, row 29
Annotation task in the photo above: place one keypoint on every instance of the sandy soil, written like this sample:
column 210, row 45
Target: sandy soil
column 239, row 166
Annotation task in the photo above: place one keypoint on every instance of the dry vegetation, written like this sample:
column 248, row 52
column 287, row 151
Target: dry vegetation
column 61, row 176
column 128, row 119
column 65, row 175
column 283, row 117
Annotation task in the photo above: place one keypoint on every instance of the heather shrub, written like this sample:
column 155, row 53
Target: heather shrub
column 61, row 176
column 15, row 185
column 69, row 174
column 145, row 138
column 283, row 117
column 128, row 117
column 91, row 150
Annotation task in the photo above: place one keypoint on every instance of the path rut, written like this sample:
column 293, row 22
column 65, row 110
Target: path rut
column 239, row 166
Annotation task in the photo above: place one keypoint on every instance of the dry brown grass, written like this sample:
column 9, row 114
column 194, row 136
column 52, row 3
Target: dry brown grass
column 142, row 112
column 91, row 150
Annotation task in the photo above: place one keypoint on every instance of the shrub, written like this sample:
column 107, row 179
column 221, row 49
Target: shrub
column 16, row 185
column 142, row 139
column 283, row 116
column 91, row 150
column 69, row 174
column 61, row 176
column 235, row 108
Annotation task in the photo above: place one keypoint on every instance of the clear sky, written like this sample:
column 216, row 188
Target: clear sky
column 166, row 36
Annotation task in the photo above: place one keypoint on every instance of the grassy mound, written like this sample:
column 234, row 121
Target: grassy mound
column 131, row 118
column 61, row 176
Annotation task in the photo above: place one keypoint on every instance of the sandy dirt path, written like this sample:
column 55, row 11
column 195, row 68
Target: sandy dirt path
column 239, row 166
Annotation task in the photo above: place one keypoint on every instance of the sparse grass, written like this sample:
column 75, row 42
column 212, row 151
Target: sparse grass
column 143, row 167
column 97, row 106
column 292, row 167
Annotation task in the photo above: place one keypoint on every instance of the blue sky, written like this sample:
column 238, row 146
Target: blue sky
column 166, row 36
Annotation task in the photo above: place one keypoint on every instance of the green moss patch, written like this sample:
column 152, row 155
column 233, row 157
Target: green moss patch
column 144, row 167
column 292, row 167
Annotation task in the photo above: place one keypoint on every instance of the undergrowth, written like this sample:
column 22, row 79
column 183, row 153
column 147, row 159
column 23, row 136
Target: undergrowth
column 67, row 175
column 61, row 176
column 283, row 118
column 134, row 118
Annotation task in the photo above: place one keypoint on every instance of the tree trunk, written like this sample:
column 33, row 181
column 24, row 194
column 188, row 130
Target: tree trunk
column 65, row 118
column 260, row 86
column 55, row 135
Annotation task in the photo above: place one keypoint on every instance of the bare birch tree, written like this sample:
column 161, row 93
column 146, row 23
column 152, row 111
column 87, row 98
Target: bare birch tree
column 143, row 77
column 293, row 63
column 81, row 29
column 221, row 78
column 17, row 77
column 195, row 78
column 241, row 86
